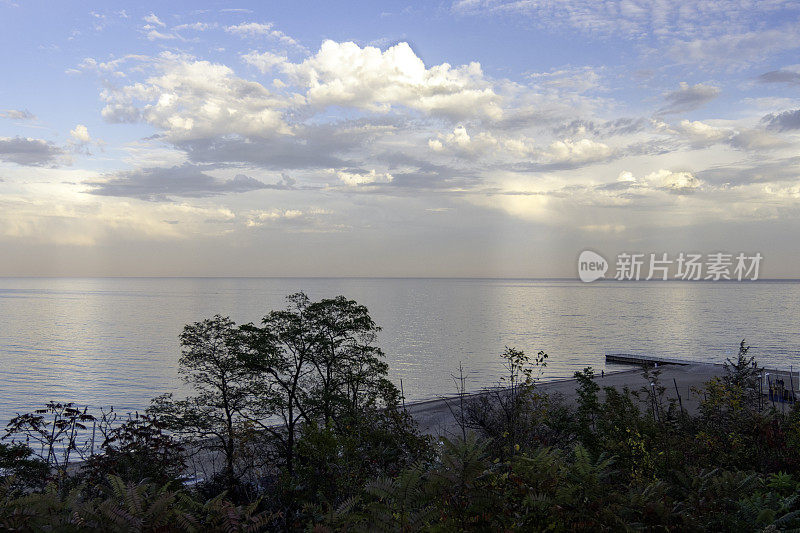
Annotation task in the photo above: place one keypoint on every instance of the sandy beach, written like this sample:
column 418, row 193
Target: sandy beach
column 436, row 418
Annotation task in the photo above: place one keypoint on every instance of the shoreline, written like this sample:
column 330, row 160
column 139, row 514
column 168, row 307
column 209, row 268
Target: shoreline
column 434, row 416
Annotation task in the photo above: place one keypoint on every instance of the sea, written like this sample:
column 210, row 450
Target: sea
column 104, row 342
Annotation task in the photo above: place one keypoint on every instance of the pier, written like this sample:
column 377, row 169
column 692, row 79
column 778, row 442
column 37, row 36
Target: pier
column 645, row 360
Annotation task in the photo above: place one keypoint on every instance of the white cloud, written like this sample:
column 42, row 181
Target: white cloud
column 264, row 61
column 582, row 151
column 633, row 19
column 662, row 179
column 757, row 139
column 498, row 146
column 354, row 179
column 60, row 215
column 195, row 26
column 154, row 20
column 485, row 143
column 732, row 50
column 459, row 138
column 435, row 145
column 250, row 29
column 191, row 99
column 111, row 67
column 701, row 134
column 575, row 80
column 155, row 35
column 257, row 29
column 17, row 114
column 293, row 220
column 80, row 134
column 348, row 75
column 673, row 181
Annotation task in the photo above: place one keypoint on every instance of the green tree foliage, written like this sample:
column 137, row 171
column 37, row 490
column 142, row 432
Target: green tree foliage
column 21, row 469
column 352, row 460
column 743, row 376
column 55, row 432
column 211, row 363
column 140, row 449
column 301, row 400
column 503, row 411
column 142, row 507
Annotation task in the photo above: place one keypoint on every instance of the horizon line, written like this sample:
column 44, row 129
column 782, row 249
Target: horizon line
column 487, row 278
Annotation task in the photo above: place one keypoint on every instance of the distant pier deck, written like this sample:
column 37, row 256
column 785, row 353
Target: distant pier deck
column 646, row 360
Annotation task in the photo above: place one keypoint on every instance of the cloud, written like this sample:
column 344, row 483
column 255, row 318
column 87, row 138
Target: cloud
column 310, row 146
column 607, row 128
column 264, row 61
column 195, row 100
column 732, row 50
column 345, row 74
column 462, row 143
column 756, row 139
column 195, row 26
column 724, row 34
column 90, row 64
column 701, row 134
column 688, row 97
column 520, row 152
column 29, row 152
column 781, row 76
column 577, row 152
column 154, row 20
column 785, row 121
column 17, row 114
column 444, row 129
column 254, row 30
column 632, row 19
column 80, row 134
column 576, row 80
column 675, row 182
column 628, row 186
column 162, row 184
column 250, row 29
column 295, row 220
column 155, row 35
column 354, row 178
column 762, row 171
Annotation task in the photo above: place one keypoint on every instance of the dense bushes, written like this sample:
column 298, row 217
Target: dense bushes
column 294, row 426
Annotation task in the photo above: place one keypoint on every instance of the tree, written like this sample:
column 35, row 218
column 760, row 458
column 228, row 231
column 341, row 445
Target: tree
column 282, row 350
column 211, row 362
column 744, row 376
column 588, row 405
column 20, row 469
column 140, row 449
column 319, row 364
column 58, row 429
column 346, row 361
column 504, row 412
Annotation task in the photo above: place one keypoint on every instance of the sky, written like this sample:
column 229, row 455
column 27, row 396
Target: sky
column 473, row 138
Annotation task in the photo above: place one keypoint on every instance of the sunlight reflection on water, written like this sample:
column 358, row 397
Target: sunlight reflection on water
column 114, row 341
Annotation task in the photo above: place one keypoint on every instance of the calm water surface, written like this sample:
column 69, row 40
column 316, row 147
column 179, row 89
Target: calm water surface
column 115, row 341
